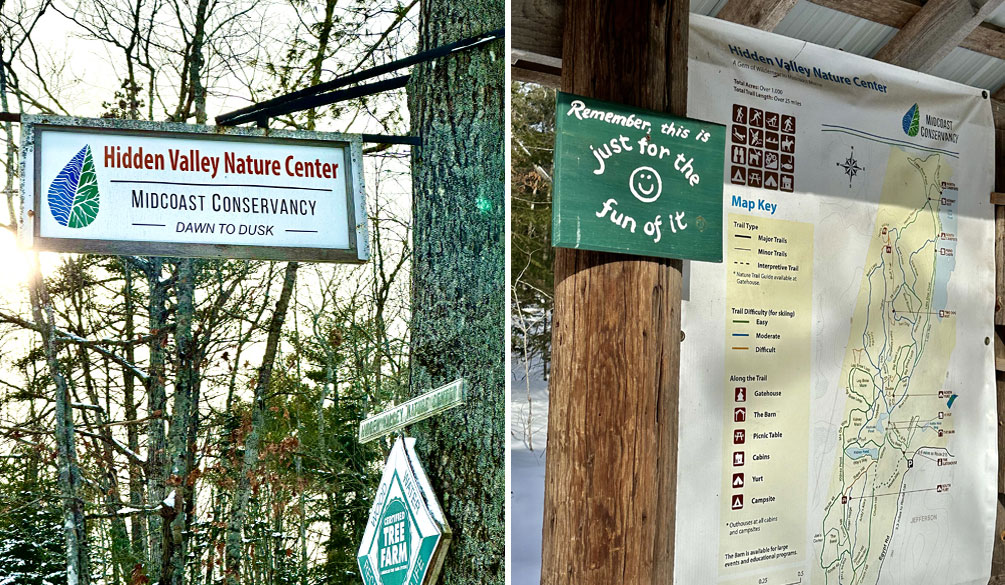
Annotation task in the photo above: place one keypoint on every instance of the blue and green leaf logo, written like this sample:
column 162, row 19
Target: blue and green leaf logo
column 911, row 121
column 73, row 195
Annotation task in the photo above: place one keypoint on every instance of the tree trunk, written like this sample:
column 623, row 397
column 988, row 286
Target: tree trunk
column 186, row 379
column 157, row 405
column 74, row 529
column 136, row 499
column 235, row 525
column 319, row 58
column 457, row 327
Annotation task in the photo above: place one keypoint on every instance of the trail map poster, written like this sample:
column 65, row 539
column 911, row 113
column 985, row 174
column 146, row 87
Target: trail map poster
column 835, row 365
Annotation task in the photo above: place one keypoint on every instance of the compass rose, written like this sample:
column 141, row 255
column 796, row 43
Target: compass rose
column 850, row 166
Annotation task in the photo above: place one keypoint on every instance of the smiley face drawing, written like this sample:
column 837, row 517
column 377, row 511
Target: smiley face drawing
column 646, row 184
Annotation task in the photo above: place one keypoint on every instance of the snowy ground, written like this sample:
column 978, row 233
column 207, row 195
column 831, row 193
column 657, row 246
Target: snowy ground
column 527, row 444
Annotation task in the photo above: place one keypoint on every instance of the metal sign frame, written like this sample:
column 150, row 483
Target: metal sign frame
column 35, row 127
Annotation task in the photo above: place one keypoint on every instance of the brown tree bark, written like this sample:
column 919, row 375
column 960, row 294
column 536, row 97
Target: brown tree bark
column 610, row 486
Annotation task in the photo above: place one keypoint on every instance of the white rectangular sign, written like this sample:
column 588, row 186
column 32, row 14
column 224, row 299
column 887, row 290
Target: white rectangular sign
column 837, row 388
column 144, row 188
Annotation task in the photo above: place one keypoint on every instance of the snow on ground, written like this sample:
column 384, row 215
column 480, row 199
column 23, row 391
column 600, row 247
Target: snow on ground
column 527, row 446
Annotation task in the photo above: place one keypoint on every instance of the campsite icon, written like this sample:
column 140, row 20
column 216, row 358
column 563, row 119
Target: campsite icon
column 738, row 176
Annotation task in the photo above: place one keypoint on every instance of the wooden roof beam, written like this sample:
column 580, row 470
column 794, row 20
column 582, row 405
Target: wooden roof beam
column 536, row 39
column 537, row 32
column 762, row 14
column 536, row 68
column 986, row 38
column 935, row 30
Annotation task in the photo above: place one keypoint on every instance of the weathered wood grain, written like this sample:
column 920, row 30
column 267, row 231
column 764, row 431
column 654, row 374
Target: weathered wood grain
column 536, row 68
column 610, row 488
column 935, row 30
column 537, row 26
column 986, row 38
column 999, row 231
column 998, row 548
column 762, row 14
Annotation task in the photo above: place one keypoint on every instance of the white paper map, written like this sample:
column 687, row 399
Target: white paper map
column 835, row 364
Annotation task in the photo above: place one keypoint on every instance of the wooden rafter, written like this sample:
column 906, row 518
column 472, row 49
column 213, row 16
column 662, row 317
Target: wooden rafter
column 535, row 68
column 537, row 33
column 986, row 38
column 935, row 30
column 536, row 37
column 762, row 14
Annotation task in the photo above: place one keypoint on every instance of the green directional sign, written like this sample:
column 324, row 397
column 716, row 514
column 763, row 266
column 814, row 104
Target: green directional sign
column 419, row 408
column 635, row 181
column 407, row 534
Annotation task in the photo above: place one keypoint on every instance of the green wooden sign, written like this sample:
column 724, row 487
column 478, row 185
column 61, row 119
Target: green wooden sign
column 635, row 181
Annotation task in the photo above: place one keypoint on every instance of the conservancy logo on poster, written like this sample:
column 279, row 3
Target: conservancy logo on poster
column 934, row 127
column 73, row 196
column 911, row 121
column 407, row 535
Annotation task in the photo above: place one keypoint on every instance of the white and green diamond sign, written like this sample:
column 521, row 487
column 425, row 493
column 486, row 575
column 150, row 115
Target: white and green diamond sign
column 407, row 534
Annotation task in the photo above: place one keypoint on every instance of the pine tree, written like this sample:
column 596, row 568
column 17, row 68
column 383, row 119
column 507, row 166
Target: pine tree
column 32, row 545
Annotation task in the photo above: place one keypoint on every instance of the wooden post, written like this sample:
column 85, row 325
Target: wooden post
column 611, row 478
column 998, row 551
